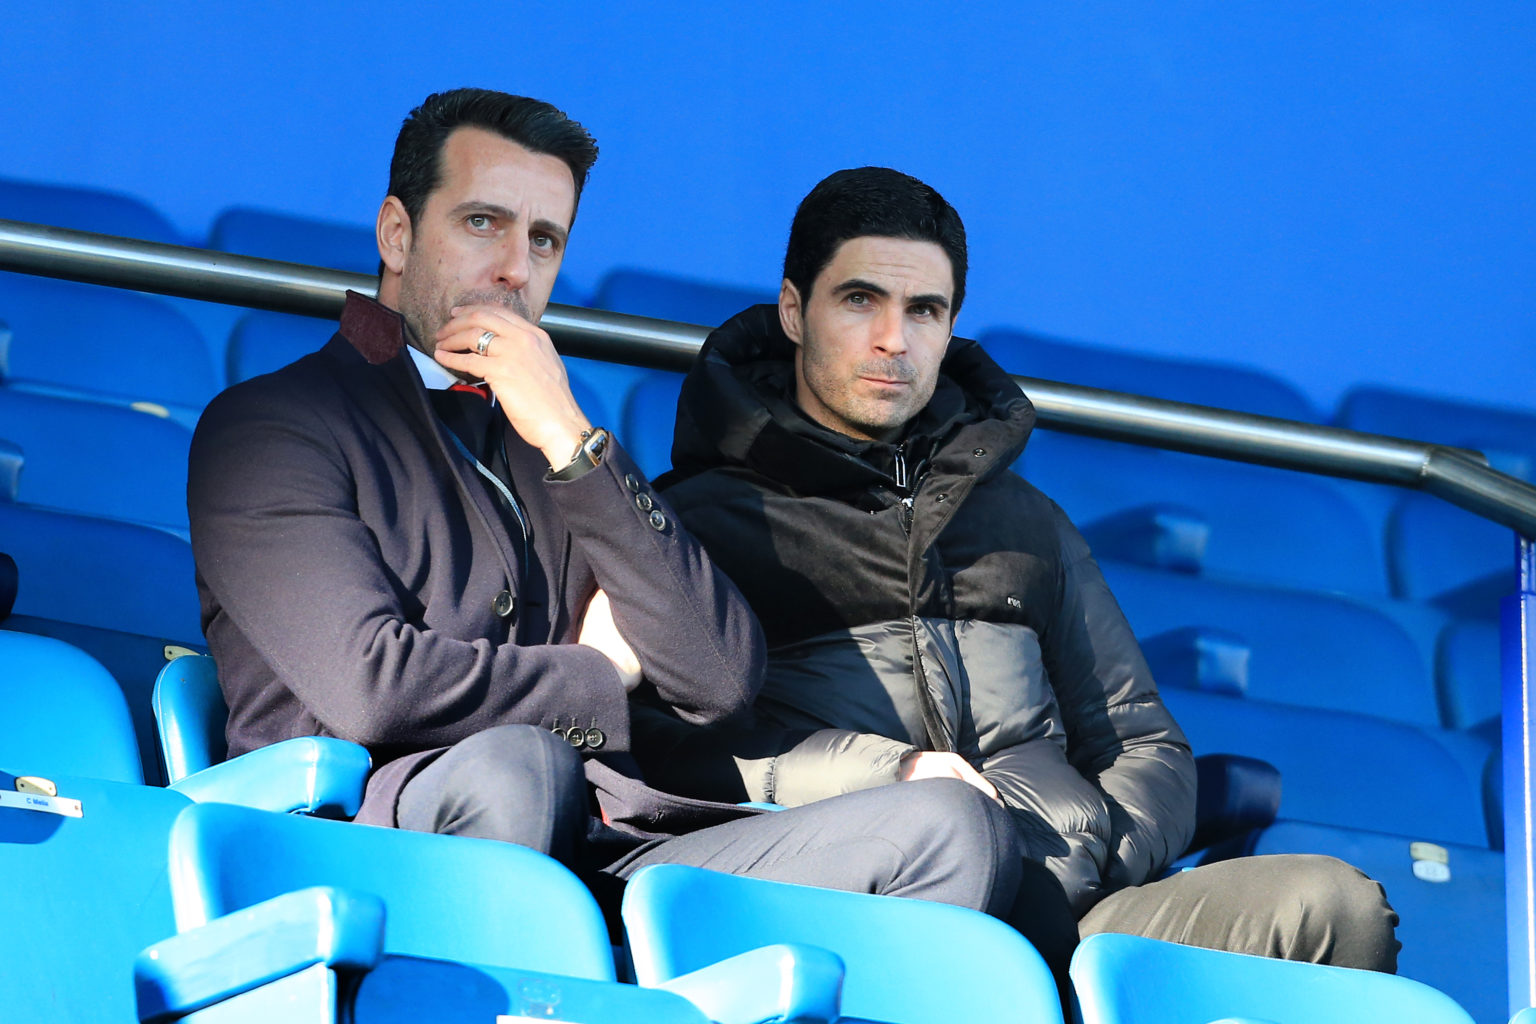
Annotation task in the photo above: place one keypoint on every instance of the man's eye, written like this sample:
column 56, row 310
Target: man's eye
column 923, row 309
column 858, row 299
column 478, row 221
column 543, row 241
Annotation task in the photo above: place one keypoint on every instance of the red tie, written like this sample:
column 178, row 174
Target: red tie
column 483, row 390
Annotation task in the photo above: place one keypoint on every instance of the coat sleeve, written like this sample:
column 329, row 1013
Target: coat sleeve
column 699, row 644
column 291, row 561
column 745, row 760
column 1120, row 736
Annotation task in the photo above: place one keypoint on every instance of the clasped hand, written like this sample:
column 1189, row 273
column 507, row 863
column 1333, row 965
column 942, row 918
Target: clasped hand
column 523, row 369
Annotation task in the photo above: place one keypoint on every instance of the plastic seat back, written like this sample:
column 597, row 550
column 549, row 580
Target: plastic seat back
column 1450, row 899
column 1223, row 385
column 191, row 715
column 1439, row 553
column 1308, row 649
column 105, row 460
column 1342, row 769
column 1260, row 524
column 447, row 897
column 668, row 297
column 104, row 343
column 83, row 895
column 65, row 714
column 280, row 236
column 262, row 342
column 102, row 573
column 85, row 209
column 908, row 961
column 1126, row 979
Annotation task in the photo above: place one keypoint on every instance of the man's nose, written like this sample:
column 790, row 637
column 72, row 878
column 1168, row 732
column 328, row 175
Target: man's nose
column 890, row 337
column 512, row 267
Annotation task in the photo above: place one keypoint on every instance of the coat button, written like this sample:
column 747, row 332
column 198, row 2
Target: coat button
column 643, row 502
column 576, row 736
column 978, row 452
column 658, row 520
column 503, row 604
column 595, row 738
column 632, row 482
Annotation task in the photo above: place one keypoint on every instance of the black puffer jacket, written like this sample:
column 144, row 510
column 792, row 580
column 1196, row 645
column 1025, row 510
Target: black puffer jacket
column 919, row 595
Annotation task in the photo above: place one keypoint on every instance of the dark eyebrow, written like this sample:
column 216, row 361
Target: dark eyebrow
column 934, row 299
column 858, row 285
column 550, row 227
column 474, row 206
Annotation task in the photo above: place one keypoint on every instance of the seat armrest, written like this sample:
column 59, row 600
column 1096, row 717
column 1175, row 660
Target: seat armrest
column 251, row 947
column 312, row 774
column 1234, row 795
column 1160, row 536
column 796, row 983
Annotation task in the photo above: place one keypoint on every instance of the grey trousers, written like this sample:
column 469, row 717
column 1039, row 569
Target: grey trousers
column 1286, row 906
column 939, row 839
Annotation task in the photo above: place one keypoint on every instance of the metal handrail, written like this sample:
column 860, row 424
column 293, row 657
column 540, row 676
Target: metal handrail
column 1457, row 475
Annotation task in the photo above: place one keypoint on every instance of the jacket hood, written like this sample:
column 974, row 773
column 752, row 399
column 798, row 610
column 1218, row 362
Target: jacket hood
column 737, row 408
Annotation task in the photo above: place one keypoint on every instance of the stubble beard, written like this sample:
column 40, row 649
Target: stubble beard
column 860, row 415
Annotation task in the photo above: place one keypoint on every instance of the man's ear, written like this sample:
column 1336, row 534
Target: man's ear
column 393, row 233
column 791, row 316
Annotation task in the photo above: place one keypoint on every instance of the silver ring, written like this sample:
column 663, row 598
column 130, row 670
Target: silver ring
column 485, row 342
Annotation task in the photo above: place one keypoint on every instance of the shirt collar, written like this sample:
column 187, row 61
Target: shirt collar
column 433, row 374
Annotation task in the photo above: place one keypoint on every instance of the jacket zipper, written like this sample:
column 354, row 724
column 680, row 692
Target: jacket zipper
column 903, row 491
column 907, row 490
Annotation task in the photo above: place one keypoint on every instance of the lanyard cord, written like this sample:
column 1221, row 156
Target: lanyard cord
column 501, row 488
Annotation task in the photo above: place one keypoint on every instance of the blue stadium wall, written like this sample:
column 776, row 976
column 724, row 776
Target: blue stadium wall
column 1338, row 192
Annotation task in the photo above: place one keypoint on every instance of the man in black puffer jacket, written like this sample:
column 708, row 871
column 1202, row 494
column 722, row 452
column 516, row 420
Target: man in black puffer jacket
column 930, row 613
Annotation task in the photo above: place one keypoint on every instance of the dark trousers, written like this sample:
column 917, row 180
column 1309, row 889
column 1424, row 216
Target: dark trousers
column 1285, row 906
column 937, row 839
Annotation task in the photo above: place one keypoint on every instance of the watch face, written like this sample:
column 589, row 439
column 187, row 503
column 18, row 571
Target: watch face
column 598, row 445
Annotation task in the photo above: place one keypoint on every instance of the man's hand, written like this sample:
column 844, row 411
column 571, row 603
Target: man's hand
column 523, row 369
column 939, row 764
column 599, row 632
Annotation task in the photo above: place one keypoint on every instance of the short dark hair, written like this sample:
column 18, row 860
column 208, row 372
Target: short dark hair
column 864, row 201
column 415, row 170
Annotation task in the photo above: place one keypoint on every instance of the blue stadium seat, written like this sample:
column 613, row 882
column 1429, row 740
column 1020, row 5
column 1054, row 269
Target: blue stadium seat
column 281, row 236
column 104, row 344
column 1506, row 436
column 1449, row 557
column 1343, row 769
column 101, row 572
column 1309, row 649
column 315, row 956
column 85, row 892
column 1223, row 385
column 65, row 713
column 262, row 342
column 102, row 460
column 669, row 297
column 84, row 209
column 1449, row 897
column 191, row 715
column 650, row 414
column 11, row 463
column 1467, row 674
column 1207, row 516
column 1126, row 979
column 312, row 774
column 907, row 961
column 448, row 897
